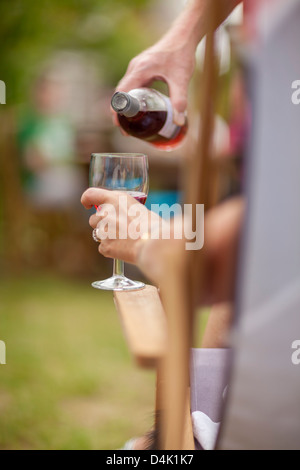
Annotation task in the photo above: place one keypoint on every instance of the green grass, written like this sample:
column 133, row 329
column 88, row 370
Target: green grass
column 69, row 381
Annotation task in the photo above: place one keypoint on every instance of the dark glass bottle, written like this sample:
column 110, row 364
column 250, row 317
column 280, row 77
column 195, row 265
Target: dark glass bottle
column 148, row 115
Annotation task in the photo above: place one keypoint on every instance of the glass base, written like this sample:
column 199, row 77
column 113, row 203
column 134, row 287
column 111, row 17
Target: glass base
column 118, row 283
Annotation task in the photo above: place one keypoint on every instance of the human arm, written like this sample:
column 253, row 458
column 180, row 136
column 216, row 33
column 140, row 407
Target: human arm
column 222, row 231
column 172, row 58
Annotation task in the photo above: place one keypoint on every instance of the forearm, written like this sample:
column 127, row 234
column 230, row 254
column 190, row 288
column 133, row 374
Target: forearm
column 191, row 25
column 222, row 229
column 218, row 326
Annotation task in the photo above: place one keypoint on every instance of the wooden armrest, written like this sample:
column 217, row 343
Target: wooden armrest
column 144, row 324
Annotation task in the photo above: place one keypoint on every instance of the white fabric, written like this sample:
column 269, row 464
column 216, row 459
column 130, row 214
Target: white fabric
column 205, row 430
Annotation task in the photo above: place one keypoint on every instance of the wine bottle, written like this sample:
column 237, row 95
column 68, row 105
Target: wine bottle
column 148, row 115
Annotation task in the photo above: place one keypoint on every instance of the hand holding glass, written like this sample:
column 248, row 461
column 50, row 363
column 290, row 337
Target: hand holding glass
column 120, row 172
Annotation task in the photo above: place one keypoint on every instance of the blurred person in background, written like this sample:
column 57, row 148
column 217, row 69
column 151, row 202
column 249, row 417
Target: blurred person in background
column 51, row 177
column 48, row 149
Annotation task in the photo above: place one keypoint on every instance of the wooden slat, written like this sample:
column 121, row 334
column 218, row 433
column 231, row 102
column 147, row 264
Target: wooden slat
column 175, row 365
column 184, row 271
column 144, row 323
column 145, row 328
column 188, row 442
column 186, row 431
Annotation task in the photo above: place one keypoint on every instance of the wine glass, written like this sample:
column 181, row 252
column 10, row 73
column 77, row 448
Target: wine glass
column 120, row 172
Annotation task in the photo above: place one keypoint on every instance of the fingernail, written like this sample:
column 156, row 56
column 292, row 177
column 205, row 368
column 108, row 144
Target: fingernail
column 179, row 118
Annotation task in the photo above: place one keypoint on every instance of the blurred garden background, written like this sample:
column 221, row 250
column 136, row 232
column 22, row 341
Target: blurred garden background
column 69, row 382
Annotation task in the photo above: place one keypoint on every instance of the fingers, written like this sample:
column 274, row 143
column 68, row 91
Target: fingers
column 141, row 72
column 95, row 197
column 98, row 197
column 179, row 118
column 149, row 66
column 94, row 220
column 129, row 82
column 178, row 95
column 105, row 249
column 100, row 214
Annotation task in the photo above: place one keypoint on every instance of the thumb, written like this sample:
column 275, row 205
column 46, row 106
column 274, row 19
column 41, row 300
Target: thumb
column 178, row 95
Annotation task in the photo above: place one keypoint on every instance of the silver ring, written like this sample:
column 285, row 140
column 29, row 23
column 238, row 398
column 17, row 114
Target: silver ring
column 94, row 235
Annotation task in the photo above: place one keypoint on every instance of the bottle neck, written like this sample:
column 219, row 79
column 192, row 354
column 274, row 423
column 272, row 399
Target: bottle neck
column 125, row 104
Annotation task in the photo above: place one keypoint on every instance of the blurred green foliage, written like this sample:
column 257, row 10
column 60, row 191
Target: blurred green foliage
column 69, row 381
column 30, row 30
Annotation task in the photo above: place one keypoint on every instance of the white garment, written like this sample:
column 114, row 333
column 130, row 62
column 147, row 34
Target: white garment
column 205, row 430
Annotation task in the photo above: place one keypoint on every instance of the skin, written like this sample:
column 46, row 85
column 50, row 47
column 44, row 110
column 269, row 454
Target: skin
column 222, row 232
column 172, row 58
column 127, row 249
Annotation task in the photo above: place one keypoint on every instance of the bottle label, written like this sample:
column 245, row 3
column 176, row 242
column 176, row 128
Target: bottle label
column 169, row 128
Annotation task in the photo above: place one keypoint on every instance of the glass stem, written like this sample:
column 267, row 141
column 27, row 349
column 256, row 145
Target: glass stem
column 118, row 269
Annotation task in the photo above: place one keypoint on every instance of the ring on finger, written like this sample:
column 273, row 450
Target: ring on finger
column 95, row 237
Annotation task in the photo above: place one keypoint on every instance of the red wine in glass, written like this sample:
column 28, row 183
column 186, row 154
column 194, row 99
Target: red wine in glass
column 126, row 172
column 139, row 196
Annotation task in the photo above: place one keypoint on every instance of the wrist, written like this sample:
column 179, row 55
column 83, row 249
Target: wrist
column 141, row 247
column 189, row 27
